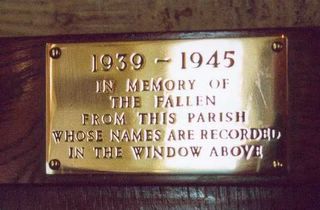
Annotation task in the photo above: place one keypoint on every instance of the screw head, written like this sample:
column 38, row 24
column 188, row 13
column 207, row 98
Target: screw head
column 277, row 46
column 54, row 164
column 277, row 164
column 55, row 52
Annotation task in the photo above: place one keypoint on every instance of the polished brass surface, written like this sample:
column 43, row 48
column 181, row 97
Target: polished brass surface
column 211, row 106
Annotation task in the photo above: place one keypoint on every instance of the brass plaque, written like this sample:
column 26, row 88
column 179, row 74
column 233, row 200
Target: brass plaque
column 202, row 106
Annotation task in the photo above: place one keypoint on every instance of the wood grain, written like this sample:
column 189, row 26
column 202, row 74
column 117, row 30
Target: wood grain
column 38, row 17
column 158, row 197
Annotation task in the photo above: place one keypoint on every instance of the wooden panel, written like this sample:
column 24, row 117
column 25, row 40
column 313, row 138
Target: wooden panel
column 155, row 197
column 98, row 16
column 22, row 111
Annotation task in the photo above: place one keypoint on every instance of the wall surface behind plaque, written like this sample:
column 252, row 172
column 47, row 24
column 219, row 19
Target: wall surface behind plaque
column 38, row 17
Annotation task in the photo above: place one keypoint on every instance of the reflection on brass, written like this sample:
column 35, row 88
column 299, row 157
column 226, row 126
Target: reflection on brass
column 205, row 106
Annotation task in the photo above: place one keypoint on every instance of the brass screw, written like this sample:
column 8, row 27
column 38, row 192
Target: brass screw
column 277, row 164
column 54, row 164
column 55, row 52
column 277, row 46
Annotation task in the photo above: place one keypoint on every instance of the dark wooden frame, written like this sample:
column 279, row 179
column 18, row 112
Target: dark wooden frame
column 22, row 110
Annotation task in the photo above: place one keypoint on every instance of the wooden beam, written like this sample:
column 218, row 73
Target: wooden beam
column 22, row 110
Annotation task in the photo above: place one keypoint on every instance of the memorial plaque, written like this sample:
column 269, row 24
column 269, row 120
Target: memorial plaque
column 191, row 106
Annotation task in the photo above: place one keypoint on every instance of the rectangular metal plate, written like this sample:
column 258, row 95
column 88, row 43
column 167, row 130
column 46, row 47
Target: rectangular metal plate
column 213, row 106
